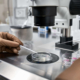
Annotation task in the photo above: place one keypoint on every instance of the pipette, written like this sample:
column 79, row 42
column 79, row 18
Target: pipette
column 28, row 49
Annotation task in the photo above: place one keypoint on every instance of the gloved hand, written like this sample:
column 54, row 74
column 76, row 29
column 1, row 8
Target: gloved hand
column 9, row 43
column 72, row 73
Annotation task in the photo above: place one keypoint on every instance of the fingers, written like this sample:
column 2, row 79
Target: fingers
column 18, row 48
column 8, row 43
column 15, row 50
column 13, row 38
column 5, row 49
column 8, row 49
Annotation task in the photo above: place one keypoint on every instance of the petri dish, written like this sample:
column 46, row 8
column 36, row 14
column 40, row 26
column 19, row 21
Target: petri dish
column 41, row 57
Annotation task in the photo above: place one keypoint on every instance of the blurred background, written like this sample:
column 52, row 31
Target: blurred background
column 6, row 10
column 16, row 12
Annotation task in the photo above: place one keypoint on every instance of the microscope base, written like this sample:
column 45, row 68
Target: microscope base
column 74, row 46
column 69, row 45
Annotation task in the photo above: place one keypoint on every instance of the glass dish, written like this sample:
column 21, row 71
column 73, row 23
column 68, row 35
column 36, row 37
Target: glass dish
column 41, row 57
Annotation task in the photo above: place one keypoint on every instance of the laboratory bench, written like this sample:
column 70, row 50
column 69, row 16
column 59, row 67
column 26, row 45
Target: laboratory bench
column 18, row 67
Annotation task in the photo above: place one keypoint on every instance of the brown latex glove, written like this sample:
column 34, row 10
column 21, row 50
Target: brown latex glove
column 72, row 73
column 9, row 43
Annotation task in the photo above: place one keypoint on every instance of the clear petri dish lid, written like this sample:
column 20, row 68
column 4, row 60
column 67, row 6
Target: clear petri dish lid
column 41, row 57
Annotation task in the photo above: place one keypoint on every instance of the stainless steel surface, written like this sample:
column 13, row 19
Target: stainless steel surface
column 14, row 73
column 68, row 32
column 63, row 32
column 48, row 71
column 23, row 34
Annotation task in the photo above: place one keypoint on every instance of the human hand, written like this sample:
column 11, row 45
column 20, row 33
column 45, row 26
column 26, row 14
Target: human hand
column 9, row 43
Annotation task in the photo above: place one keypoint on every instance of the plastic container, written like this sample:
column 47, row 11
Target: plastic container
column 66, row 58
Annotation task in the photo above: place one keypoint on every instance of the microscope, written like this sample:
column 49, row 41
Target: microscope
column 58, row 13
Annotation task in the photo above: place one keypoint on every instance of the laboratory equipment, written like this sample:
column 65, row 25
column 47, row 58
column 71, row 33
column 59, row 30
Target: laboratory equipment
column 58, row 13
column 55, row 32
column 25, row 34
column 66, row 58
column 42, row 58
column 28, row 49
column 43, row 34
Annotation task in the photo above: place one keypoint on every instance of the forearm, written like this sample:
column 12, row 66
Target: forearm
column 72, row 73
column 59, row 79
